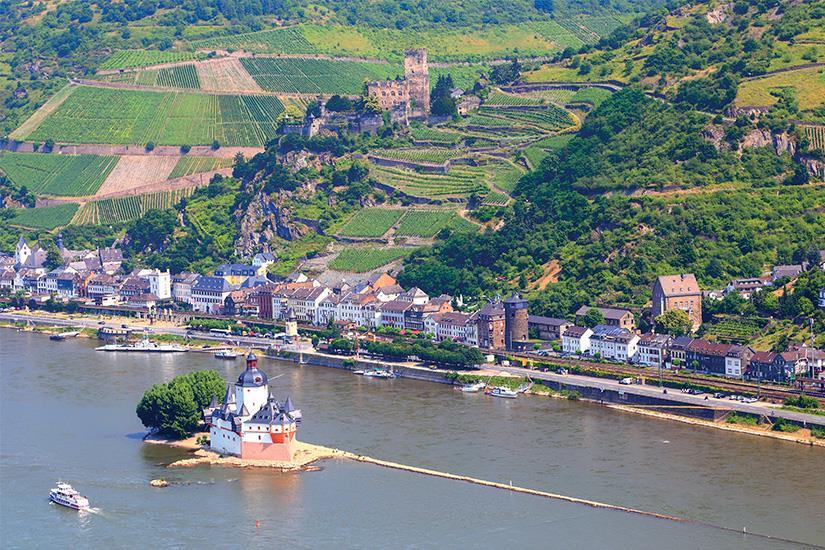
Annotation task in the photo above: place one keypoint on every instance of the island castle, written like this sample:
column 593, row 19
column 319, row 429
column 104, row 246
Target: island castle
column 412, row 92
column 250, row 423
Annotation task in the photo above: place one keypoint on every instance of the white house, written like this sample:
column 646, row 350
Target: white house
column 208, row 294
column 452, row 325
column 615, row 343
column 182, row 284
column 160, row 283
column 651, row 350
column 576, row 340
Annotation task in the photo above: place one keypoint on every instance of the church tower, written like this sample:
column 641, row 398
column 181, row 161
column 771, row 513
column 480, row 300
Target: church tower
column 22, row 252
column 417, row 77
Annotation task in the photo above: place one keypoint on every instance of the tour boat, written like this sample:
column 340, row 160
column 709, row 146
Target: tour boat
column 359, row 371
column 500, row 391
column 144, row 345
column 226, row 354
column 473, row 387
column 65, row 495
column 63, row 335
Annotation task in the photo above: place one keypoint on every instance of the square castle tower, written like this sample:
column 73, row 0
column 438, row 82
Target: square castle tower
column 413, row 91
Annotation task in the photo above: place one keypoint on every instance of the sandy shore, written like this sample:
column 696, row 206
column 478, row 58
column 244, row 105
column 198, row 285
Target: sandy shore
column 803, row 435
column 306, row 454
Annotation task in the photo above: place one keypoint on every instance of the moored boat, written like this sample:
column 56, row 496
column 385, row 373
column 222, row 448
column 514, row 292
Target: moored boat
column 144, row 345
column 65, row 495
column 500, row 391
column 226, row 354
column 380, row 373
column 473, row 387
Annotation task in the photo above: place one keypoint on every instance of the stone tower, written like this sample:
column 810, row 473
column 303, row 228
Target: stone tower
column 417, row 77
column 515, row 321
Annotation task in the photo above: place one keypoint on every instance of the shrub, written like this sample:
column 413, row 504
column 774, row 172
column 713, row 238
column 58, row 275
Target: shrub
column 150, row 146
column 185, row 149
column 818, row 433
column 802, row 402
column 782, row 425
column 735, row 418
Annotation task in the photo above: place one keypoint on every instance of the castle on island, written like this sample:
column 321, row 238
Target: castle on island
column 251, row 423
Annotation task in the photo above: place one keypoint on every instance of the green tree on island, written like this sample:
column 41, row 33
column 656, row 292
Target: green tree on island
column 174, row 409
column 674, row 322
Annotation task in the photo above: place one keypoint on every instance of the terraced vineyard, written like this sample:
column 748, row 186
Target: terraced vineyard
column 44, row 217
column 429, row 155
column 734, row 330
column 427, row 223
column 435, row 137
column 559, row 97
column 127, row 59
column 187, row 165
column 183, row 76
column 371, row 222
column 52, row 174
column 101, row 115
column 124, row 209
column 316, row 76
column 461, row 181
column 550, row 119
column 593, row 96
column 499, row 99
column 366, row 258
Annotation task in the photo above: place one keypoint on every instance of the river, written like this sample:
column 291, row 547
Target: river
column 68, row 412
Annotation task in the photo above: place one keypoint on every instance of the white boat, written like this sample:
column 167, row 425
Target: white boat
column 144, row 345
column 359, row 371
column 379, row 373
column 474, row 387
column 500, row 391
column 226, row 354
column 65, row 495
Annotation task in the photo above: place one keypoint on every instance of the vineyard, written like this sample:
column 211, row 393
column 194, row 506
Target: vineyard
column 429, row 155
column 548, row 120
column 435, row 137
column 734, row 330
column 499, row 99
column 371, row 222
column 44, row 217
column 816, row 136
column 366, row 258
column 559, row 97
column 225, row 74
column 101, row 115
column 593, row 96
column 128, row 59
column 52, row 174
column 187, row 166
column 427, row 223
column 124, row 209
column 287, row 40
column 136, row 171
column 461, row 181
column 183, row 76
column 316, row 76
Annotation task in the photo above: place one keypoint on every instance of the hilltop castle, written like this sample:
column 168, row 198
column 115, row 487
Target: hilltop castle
column 412, row 92
column 250, row 423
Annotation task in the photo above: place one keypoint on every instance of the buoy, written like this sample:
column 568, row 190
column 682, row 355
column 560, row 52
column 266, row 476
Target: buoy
column 257, row 524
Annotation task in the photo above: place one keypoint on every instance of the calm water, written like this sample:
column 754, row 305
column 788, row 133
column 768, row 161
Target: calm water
column 68, row 412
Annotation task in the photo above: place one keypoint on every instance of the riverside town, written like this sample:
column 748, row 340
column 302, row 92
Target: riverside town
column 382, row 274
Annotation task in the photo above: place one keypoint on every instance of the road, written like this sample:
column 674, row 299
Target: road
column 673, row 395
column 601, row 383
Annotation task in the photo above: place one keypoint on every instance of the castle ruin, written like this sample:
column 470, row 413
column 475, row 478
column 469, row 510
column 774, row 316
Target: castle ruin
column 411, row 93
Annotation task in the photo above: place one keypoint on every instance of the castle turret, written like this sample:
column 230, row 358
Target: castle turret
column 291, row 324
column 251, row 389
column 417, row 76
column 515, row 321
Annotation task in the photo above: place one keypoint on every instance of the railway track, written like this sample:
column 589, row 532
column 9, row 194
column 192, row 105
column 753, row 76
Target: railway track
column 769, row 391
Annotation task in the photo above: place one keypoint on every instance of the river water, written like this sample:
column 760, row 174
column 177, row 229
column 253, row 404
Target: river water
column 67, row 412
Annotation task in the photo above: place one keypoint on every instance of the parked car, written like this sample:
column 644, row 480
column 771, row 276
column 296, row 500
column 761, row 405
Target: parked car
column 627, row 381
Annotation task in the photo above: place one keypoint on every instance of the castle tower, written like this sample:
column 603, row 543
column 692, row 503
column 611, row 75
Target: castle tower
column 291, row 324
column 251, row 389
column 417, row 77
column 515, row 321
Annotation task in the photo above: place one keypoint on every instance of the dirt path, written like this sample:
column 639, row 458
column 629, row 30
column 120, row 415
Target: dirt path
column 31, row 124
column 551, row 275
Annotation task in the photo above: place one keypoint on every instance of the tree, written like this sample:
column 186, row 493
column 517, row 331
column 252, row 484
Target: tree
column 152, row 230
column 593, row 317
column 174, row 409
column 337, row 103
column 674, row 322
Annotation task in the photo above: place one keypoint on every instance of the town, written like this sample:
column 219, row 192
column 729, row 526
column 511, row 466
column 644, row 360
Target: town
column 94, row 281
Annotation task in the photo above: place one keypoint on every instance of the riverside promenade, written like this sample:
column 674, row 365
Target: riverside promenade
column 410, row 370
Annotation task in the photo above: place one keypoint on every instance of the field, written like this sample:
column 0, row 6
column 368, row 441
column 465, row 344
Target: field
column 135, row 171
column 128, row 59
column 366, row 258
column 371, row 222
column 429, row 155
column 52, row 174
column 808, row 83
column 101, row 115
column 593, row 96
column 427, row 223
column 286, row 40
column 44, row 217
column 124, row 209
column 316, row 76
column 225, row 75
column 187, row 165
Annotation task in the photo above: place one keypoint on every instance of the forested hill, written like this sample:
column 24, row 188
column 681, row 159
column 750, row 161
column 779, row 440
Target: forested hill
column 612, row 247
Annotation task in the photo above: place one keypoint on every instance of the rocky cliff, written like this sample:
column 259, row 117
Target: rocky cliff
column 264, row 218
